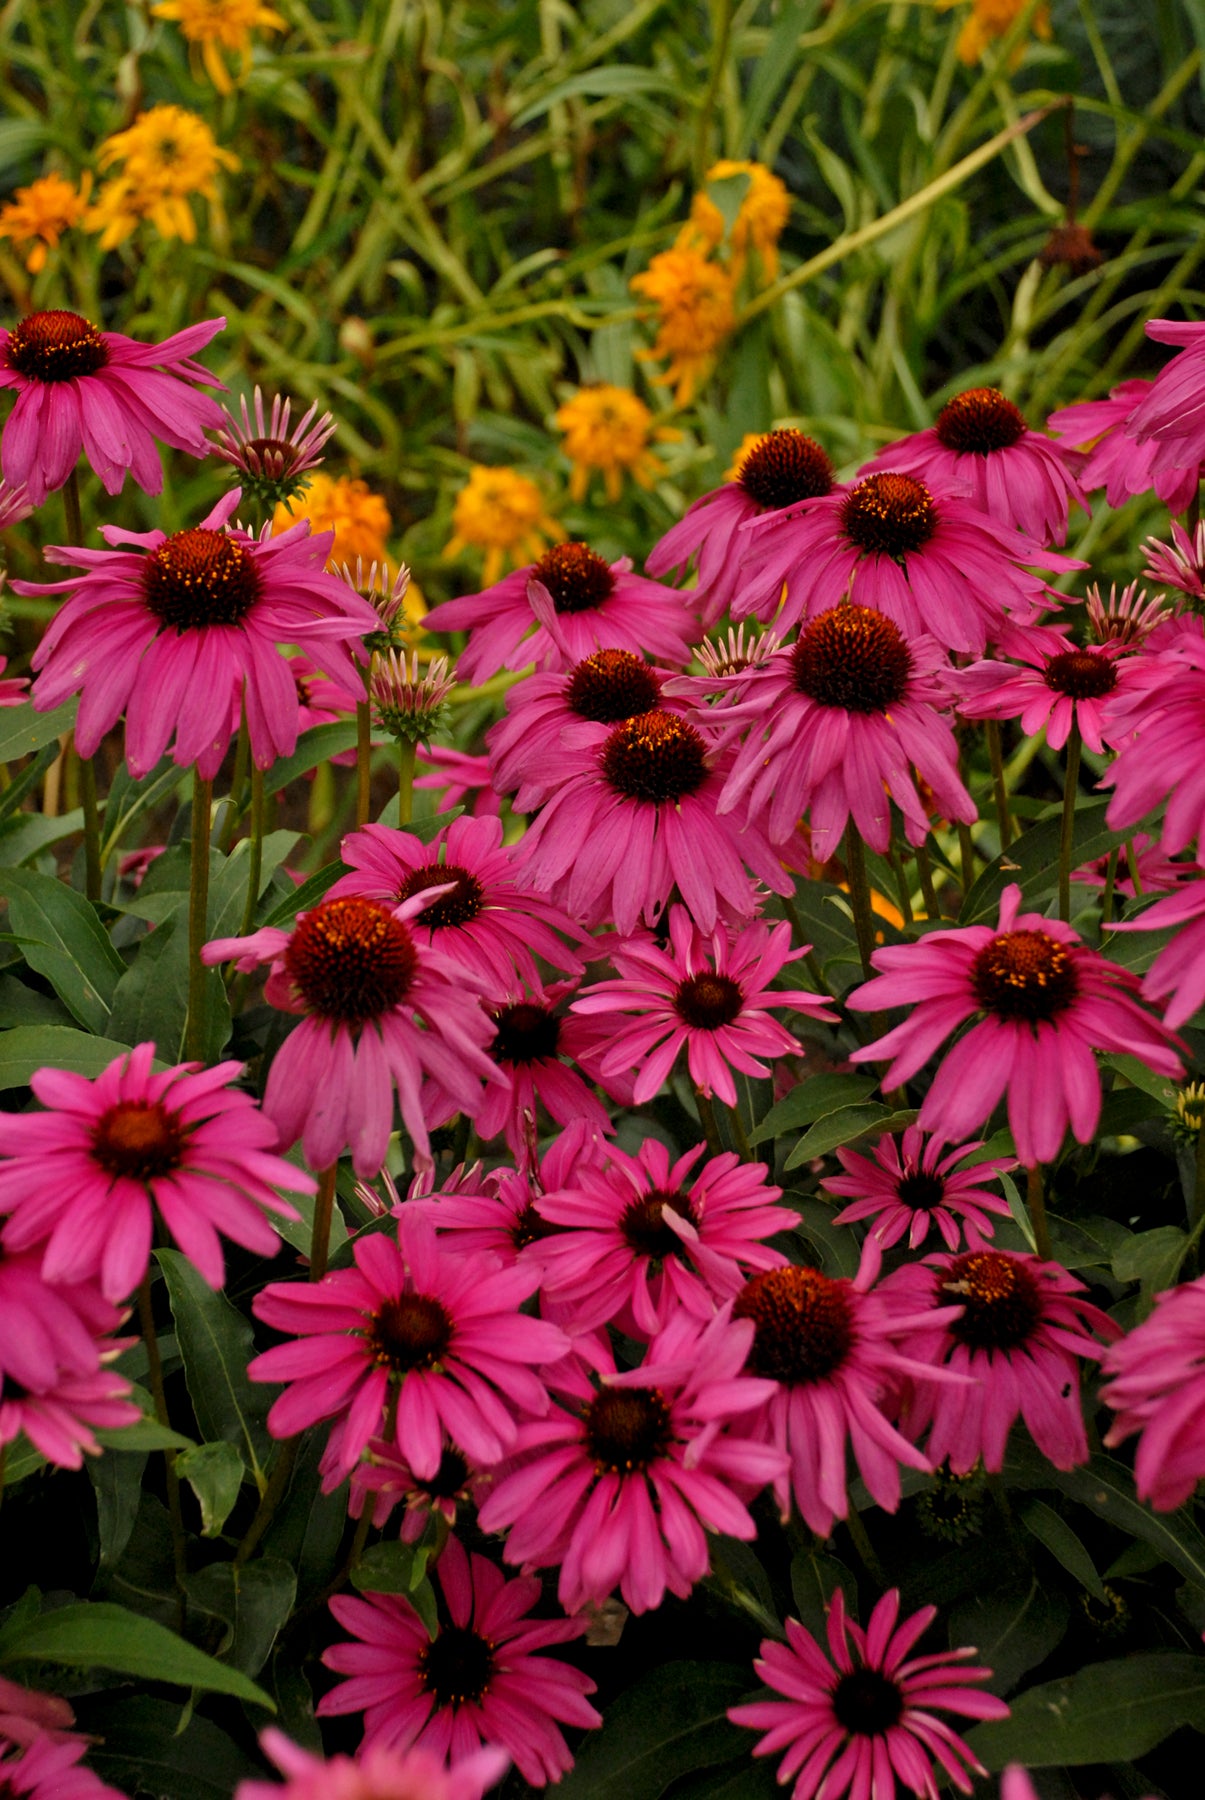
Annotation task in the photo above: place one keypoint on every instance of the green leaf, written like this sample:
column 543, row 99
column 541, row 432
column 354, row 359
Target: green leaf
column 21, row 1459
column 253, row 1599
column 22, row 730
column 1139, row 1076
column 99, row 1635
column 1053, row 1531
column 1033, row 861
column 27, row 780
column 63, row 939
column 837, row 1244
column 1108, row 1712
column 815, row 1578
column 215, row 1473
column 128, row 799
column 1107, row 1488
column 818, row 1095
column 140, row 1748
column 21, row 1005
column 391, row 1568
column 228, row 895
column 146, row 1434
column 216, row 1345
column 673, row 1721
column 1153, row 1258
column 624, row 79
column 30, row 1047
column 313, row 747
column 845, row 1126
column 26, row 836
column 117, row 1484
column 300, row 899
column 150, row 1002
column 1014, row 1629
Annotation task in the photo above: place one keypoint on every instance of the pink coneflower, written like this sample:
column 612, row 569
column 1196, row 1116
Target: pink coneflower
column 778, row 470
column 414, row 1331
column 828, row 1347
column 1154, row 1383
column 380, row 1012
column 861, row 1720
column 180, row 631
column 26, row 1715
column 636, row 816
column 489, row 921
column 724, row 660
column 459, row 779
column 1126, row 619
column 932, row 563
column 1141, row 868
column 642, row 1239
column 15, row 505
column 478, row 1681
column 379, row 1773
column 561, row 609
column 87, row 1178
column 1111, row 459
column 495, row 1213
column 909, row 1186
column 708, row 992
column 82, row 389
column 386, row 1480
column 272, row 461
column 981, row 448
column 1020, row 1331
column 14, row 689
column 50, row 1770
column 1158, row 726
column 1173, row 412
column 1179, row 968
column 321, row 701
column 1182, row 562
column 1059, row 684
column 1047, row 1001
column 837, row 723
column 624, row 1490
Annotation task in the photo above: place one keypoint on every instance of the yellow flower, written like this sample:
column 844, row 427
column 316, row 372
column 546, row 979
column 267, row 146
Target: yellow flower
column 989, row 20
column 360, row 518
column 501, row 512
column 228, row 23
column 760, row 220
column 609, row 428
column 693, row 298
column 40, row 213
column 168, row 154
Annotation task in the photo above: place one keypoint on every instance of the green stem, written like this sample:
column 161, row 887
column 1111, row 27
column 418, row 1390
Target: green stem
column 255, row 857
column 363, row 763
column 859, row 894
column 966, row 857
column 1106, row 899
column 87, row 794
column 998, row 783
column 901, row 885
column 865, row 1549
column 196, row 1041
column 1036, row 1201
column 1198, row 1191
column 743, row 1146
column 407, row 752
column 707, row 1119
column 154, row 1363
column 242, row 749
column 71, row 506
column 924, row 869
column 273, row 1494
column 1070, row 789
column 324, row 1206
column 719, row 62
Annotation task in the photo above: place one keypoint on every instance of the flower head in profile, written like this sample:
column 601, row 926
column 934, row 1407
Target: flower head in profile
column 212, row 26
column 378, row 1773
column 1155, row 1384
column 1177, row 974
column 407, row 696
column 168, row 155
column 761, row 216
column 990, row 20
column 909, row 1186
column 1171, row 412
column 359, row 518
column 861, row 1720
column 609, row 428
column 1158, row 727
column 82, row 389
column 459, row 779
column 479, row 1681
column 692, row 301
column 1181, row 564
column 272, row 462
column 1104, row 454
column 36, row 218
column 1126, row 619
column 386, row 1479
column 504, row 514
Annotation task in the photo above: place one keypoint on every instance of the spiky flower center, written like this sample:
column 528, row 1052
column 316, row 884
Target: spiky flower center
column 138, row 1139
column 1081, row 675
column 275, row 455
column 655, row 756
column 199, row 577
column 56, row 346
column 1025, row 975
column 643, row 1225
column 576, row 577
column 412, row 1331
column 626, row 1429
column 708, row 1002
column 867, row 1703
column 456, row 1667
column 786, row 467
column 889, row 515
column 531, row 1227
column 1001, row 1299
column 612, row 685
column 457, row 908
column 526, row 1033
column 449, row 1479
column 803, row 1324
column 979, row 421
column 920, row 1190
column 351, row 960
column 854, row 658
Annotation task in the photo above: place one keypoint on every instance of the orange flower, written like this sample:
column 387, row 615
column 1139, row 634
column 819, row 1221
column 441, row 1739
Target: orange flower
column 359, row 517
column 40, row 213
column 989, row 20
column 609, row 428
column 760, row 220
column 217, row 25
column 501, row 512
column 693, row 299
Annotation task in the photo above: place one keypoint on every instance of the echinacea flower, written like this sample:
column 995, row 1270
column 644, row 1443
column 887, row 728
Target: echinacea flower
column 51, row 1769
column 273, row 463
column 1155, row 1383
column 345, row 505
column 623, row 1489
column 1177, row 974
column 1182, row 562
column 478, row 1681
column 504, row 514
column 26, row 1714
column 213, row 26
column 82, row 389
column 707, row 993
column 909, row 1186
column 378, row 1012
column 693, row 302
column 87, row 1178
column 760, row 220
column 407, row 697
column 177, row 632
column 861, row 1720
column 557, row 611
column 609, row 428
column 385, row 1480
column 1158, row 727
column 1139, row 867
column 459, row 779
column 1052, row 683
column 494, row 1213
column 1109, row 458
column 1046, row 1002
column 168, row 154
column 1023, row 1323
column 14, row 689
column 38, row 215
column 981, row 448
column 1127, row 619
column 378, row 1773
column 1173, row 412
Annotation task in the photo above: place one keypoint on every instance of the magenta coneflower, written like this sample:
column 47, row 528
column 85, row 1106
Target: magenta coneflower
column 561, row 609
column 50, row 1769
column 982, row 449
column 26, row 1714
column 1182, row 562
column 271, row 460
column 14, row 689
column 478, row 1681
column 54, row 1385
column 490, row 922
column 837, row 722
column 1179, row 968
column 87, row 1178
column 495, row 1212
column 180, row 631
column 459, row 779
column 861, row 1721
column 623, row 1490
column 414, row 1337
column 932, row 563
column 1112, row 460
column 642, row 1239
column 909, row 1186
column 724, row 660
column 1126, row 619
column 1021, row 1328
column 778, row 470
column 79, row 388
column 1046, row 1002
column 321, row 701
column 380, row 1012
column 1141, row 868
column 1173, row 412
column 379, row 1773
column 708, row 992
column 1159, row 728
column 1155, row 1383
column 1059, row 684
column 386, row 1480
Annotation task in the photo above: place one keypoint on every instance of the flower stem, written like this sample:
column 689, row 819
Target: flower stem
column 1070, row 789
column 197, row 1034
column 925, row 870
column 154, row 1363
column 1198, row 1192
column 859, row 894
column 866, row 1551
column 707, row 1119
column 743, row 1146
column 87, row 794
column 407, row 751
column 1036, row 1200
column 71, row 507
column 901, row 885
column 966, row 856
column 363, row 763
column 255, row 858
column 242, row 746
column 273, row 1494
column 324, row 1206
column 999, row 786
column 1106, row 899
